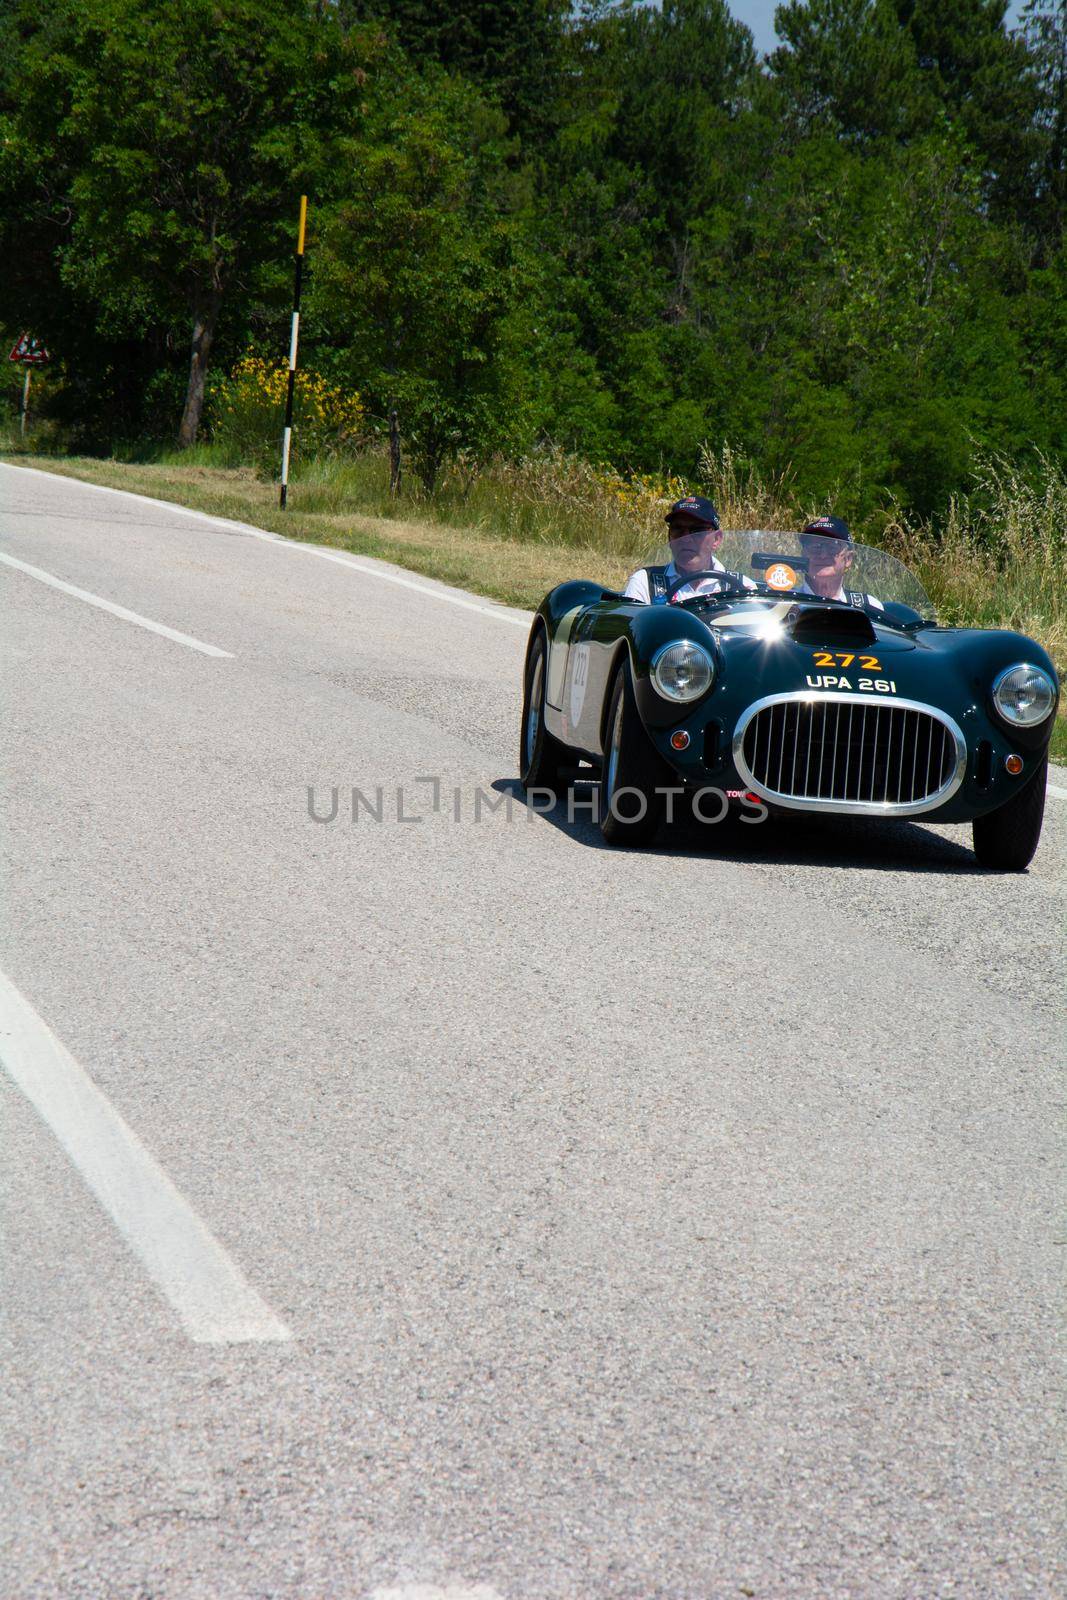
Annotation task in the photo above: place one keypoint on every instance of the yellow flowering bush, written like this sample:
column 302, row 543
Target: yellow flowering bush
column 247, row 411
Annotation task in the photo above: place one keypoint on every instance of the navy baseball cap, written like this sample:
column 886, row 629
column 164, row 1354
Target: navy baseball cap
column 694, row 508
column 829, row 528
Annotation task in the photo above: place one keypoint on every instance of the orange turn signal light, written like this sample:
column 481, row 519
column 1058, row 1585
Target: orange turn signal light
column 1014, row 765
column 680, row 740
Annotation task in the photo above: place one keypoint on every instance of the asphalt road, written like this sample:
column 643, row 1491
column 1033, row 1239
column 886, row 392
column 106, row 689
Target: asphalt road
column 672, row 1224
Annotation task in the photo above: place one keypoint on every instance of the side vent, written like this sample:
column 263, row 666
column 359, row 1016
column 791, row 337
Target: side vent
column 712, row 736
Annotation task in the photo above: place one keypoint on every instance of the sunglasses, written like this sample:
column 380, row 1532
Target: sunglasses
column 823, row 547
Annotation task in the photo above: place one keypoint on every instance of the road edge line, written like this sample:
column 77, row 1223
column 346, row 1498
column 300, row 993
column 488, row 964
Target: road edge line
column 115, row 610
column 214, row 1301
column 368, row 565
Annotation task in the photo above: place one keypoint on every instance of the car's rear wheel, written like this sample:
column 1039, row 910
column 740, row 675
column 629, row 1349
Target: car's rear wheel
column 631, row 809
column 1006, row 839
column 541, row 756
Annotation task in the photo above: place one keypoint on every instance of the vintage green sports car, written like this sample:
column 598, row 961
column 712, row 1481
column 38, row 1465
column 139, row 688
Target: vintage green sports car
column 763, row 693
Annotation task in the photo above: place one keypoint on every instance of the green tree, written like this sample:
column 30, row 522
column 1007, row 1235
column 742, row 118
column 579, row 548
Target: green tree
column 850, row 66
column 646, row 172
column 905, row 69
column 1045, row 31
column 606, row 226
column 983, row 78
column 168, row 149
column 422, row 277
column 510, row 48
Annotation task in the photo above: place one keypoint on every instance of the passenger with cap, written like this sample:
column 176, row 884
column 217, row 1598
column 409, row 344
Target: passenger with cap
column 695, row 535
column 830, row 550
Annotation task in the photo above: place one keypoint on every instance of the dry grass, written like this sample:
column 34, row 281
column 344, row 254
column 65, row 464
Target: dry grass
column 1000, row 559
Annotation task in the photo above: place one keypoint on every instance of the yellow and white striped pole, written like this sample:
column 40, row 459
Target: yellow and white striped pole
column 287, row 436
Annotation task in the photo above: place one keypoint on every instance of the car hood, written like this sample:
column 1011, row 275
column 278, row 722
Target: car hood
column 793, row 648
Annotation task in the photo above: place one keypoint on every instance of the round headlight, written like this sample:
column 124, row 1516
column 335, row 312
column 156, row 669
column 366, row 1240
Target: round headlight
column 1024, row 695
column 682, row 671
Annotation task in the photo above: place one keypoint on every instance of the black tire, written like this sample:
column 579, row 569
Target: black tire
column 541, row 756
column 1005, row 839
column 631, row 762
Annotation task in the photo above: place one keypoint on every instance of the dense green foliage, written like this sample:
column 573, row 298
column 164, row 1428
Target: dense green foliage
column 610, row 227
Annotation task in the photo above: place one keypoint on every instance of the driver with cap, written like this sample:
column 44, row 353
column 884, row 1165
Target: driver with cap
column 695, row 535
column 830, row 549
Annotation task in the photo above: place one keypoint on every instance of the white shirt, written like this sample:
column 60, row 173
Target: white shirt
column 637, row 585
column 871, row 599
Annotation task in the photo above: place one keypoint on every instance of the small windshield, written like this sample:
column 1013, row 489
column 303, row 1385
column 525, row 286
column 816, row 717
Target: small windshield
column 779, row 561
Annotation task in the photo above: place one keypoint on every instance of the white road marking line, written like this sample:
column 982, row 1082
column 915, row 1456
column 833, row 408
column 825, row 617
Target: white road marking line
column 435, row 1591
column 1061, row 794
column 212, row 1297
column 502, row 614
column 116, row 611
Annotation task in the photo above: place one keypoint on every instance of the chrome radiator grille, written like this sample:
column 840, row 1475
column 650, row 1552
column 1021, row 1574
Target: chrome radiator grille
column 841, row 752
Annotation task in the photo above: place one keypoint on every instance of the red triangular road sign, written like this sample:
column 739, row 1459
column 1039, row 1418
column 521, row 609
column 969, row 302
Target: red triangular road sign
column 27, row 349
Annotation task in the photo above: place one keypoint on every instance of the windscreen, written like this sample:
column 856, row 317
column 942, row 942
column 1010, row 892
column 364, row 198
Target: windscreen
column 784, row 564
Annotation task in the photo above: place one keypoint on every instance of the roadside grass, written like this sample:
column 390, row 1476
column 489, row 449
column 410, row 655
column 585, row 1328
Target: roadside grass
column 512, row 531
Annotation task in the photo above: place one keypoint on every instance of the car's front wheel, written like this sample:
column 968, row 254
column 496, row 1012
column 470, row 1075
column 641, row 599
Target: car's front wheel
column 1006, row 839
column 541, row 756
column 633, row 773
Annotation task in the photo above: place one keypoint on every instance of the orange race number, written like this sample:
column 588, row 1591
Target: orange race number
column 845, row 658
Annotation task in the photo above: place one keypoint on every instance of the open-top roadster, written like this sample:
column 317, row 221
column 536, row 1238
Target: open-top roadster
column 761, row 689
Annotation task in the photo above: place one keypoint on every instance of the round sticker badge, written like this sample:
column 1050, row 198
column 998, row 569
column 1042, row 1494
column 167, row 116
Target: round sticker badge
column 780, row 576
